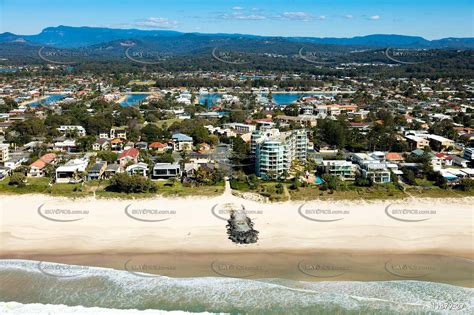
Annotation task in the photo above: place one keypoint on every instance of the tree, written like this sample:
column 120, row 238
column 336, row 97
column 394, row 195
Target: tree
column 151, row 133
column 363, row 182
column 107, row 156
column 466, row 184
column 17, row 179
column 131, row 184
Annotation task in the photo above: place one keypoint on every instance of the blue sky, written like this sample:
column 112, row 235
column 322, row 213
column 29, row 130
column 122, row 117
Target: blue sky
column 330, row 18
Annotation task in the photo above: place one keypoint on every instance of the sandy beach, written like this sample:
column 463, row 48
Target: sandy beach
column 430, row 234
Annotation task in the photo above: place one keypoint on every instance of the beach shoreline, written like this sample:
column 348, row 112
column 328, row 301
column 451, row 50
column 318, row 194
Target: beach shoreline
column 361, row 237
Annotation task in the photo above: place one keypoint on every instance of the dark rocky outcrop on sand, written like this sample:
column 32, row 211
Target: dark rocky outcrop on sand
column 240, row 228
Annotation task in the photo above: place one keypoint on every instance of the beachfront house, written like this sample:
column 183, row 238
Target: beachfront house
column 97, row 170
column 345, row 170
column 138, row 169
column 166, row 170
column 38, row 168
column 372, row 168
column 112, row 169
column 72, row 170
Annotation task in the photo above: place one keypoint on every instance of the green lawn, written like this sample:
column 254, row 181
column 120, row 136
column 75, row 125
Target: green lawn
column 41, row 186
column 312, row 192
column 33, row 185
column 168, row 122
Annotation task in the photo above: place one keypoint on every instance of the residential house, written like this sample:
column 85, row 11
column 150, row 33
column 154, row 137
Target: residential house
column 116, row 144
column 468, row 154
column 204, row 147
column 417, row 142
column 439, row 143
column 15, row 162
column 239, row 127
column 72, row 130
column 104, row 135
column 65, row 146
column 394, row 157
column 182, row 142
column 138, row 169
column 38, row 167
column 447, row 160
column 141, row 145
column 302, row 120
column 129, row 156
column 158, row 146
column 112, row 169
column 118, row 133
column 67, row 172
column 166, row 170
column 372, row 168
column 345, row 170
column 97, row 170
column 102, row 144
column 460, row 161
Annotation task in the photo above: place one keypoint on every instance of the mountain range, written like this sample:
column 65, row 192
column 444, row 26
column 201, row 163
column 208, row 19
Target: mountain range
column 78, row 37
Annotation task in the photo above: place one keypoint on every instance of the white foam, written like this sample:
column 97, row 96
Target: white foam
column 227, row 294
column 49, row 309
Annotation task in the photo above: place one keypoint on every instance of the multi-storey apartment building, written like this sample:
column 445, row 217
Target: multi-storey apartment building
column 274, row 151
column 4, row 152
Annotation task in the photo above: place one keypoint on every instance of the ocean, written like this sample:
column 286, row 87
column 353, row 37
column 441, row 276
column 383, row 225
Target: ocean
column 33, row 287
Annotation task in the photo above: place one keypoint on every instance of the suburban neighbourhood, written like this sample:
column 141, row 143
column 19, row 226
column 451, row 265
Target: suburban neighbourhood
column 338, row 134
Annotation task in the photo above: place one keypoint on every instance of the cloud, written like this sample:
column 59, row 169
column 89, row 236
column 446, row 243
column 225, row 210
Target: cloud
column 374, row 17
column 153, row 23
column 348, row 16
column 256, row 14
column 242, row 16
column 237, row 8
column 299, row 16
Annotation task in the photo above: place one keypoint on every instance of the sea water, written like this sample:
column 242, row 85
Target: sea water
column 25, row 286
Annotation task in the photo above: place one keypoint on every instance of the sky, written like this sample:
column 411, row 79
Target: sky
column 431, row 19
